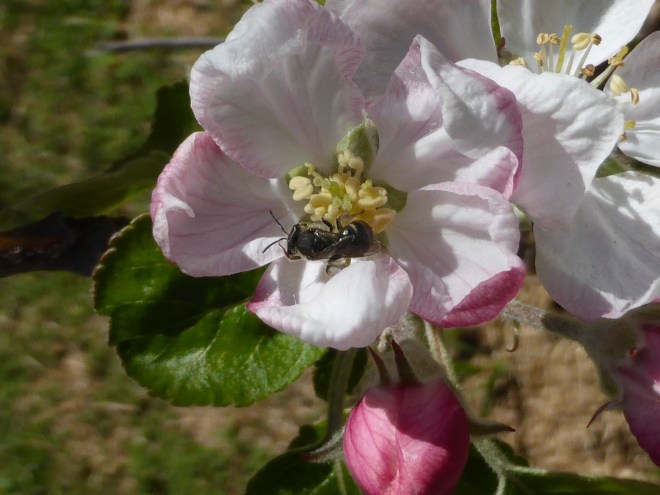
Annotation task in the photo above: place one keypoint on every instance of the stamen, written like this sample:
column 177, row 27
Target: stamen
column 518, row 61
column 302, row 188
column 634, row 96
column 343, row 194
column 566, row 33
column 617, row 85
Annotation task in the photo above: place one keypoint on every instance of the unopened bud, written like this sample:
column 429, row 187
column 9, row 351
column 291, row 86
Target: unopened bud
column 407, row 438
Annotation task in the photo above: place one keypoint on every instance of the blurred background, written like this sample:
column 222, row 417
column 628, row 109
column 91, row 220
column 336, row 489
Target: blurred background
column 71, row 420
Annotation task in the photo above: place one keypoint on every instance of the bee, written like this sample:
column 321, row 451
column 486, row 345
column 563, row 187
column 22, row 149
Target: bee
column 320, row 241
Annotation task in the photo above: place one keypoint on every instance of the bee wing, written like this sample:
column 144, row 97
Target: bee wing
column 373, row 249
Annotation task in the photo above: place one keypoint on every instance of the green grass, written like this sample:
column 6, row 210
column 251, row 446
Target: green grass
column 71, row 421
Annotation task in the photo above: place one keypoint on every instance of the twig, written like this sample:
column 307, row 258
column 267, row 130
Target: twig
column 154, row 44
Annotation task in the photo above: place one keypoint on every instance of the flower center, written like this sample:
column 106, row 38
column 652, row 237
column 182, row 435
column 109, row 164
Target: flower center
column 345, row 195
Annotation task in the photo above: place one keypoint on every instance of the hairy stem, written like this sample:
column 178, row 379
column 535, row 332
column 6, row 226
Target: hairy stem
column 341, row 372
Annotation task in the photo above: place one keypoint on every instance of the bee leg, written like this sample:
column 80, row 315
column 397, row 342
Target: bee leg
column 336, row 264
column 292, row 257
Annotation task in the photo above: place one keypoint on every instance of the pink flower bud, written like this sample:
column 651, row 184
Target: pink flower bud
column 641, row 393
column 407, row 439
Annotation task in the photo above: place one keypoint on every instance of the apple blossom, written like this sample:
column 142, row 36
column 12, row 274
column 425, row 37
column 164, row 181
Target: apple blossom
column 641, row 75
column 281, row 113
column 640, row 381
column 569, row 129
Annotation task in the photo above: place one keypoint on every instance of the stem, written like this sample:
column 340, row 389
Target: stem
column 541, row 319
column 341, row 372
column 156, row 43
column 440, row 351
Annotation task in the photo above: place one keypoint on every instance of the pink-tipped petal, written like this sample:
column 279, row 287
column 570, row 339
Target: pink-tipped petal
column 616, row 21
column 210, row 215
column 458, row 28
column 415, row 150
column 407, row 439
column 608, row 262
column 458, row 243
column 569, row 128
column 642, row 71
column 478, row 114
column 349, row 309
column 278, row 93
column 641, row 394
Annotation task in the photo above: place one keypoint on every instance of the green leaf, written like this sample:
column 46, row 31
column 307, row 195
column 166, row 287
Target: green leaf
column 133, row 174
column 191, row 340
column 553, row 483
column 323, row 371
column 479, row 479
column 290, row 474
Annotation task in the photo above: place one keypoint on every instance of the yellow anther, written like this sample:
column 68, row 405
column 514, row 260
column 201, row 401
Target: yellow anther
column 542, row 38
column 634, row 96
column 553, row 39
column 302, row 188
column 617, row 85
column 352, row 186
column 630, row 124
column 581, row 41
column 518, row 61
column 615, row 62
column 588, row 70
column 623, row 137
column 538, row 56
column 371, row 197
column 342, row 195
column 596, row 39
column 321, row 199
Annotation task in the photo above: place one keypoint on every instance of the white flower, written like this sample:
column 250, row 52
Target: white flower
column 275, row 100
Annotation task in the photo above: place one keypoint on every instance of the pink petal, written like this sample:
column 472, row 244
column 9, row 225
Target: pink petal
column 459, row 29
column 616, row 21
column 569, row 128
column 641, row 394
column 349, row 309
column 407, row 439
column 278, row 93
column 642, row 71
column 458, row 243
column 609, row 261
column 211, row 215
column 415, row 149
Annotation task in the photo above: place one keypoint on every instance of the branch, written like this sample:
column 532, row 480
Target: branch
column 154, row 44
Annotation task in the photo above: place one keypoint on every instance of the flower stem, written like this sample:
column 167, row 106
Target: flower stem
column 341, row 372
column 440, row 351
column 541, row 319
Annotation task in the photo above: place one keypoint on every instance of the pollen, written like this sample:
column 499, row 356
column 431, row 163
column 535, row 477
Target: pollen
column 344, row 195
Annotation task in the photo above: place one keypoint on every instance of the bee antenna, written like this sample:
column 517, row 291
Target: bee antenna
column 278, row 223
column 273, row 243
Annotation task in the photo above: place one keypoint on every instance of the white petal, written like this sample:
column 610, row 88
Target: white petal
column 642, row 71
column 414, row 148
column 609, row 262
column 211, row 216
column 278, row 92
column 478, row 114
column 616, row 21
column 569, row 128
column 451, row 238
column 459, row 28
column 349, row 309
